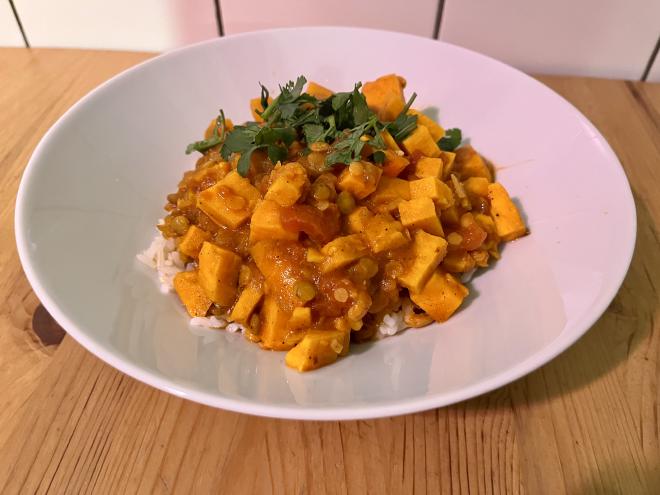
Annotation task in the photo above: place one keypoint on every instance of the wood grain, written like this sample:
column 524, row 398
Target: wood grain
column 587, row 422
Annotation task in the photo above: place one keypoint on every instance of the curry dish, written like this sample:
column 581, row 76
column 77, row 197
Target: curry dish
column 329, row 211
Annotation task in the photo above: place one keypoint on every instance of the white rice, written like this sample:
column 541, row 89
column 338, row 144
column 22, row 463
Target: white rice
column 163, row 257
column 392, row 324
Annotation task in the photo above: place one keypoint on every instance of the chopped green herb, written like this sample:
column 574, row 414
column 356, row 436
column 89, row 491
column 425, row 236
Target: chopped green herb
column 404, row 124
column 217, row 137
column 343, row 120
column 451, row 140
column 378, row 157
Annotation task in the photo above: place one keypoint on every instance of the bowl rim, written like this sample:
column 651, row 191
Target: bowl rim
column 360, row 411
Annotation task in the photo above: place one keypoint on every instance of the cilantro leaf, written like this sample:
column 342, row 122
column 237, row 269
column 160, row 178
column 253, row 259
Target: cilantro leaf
column 451, row 140
column 276, row 153
column 361, row 112
column 314, row 133
column 264, row 97
column 240, row 139
column 243, row 166
column 404, row 124
column 215, row 139
column 378, row 157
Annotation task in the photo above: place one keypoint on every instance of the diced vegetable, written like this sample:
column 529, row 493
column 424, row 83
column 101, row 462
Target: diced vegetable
column 360, row 179
column 394, row 163
column 192, row 241
column 318, row 348
column 425, row 254
column 470, row 164
column 384, row 233
column 274, row 325
column 318, row 91
column 230, row 202
column 429, row 167
column 246, row 304
column 218, row 273
column 288, row 184
column 420, row 213
column 341, row 251
column 435, row 129
column 505, row 214
column 385, row 96
column 431, row 187
column 421, row 141
column 389, row 193
column 441, row 296
column 266, row 223
column 192, row 295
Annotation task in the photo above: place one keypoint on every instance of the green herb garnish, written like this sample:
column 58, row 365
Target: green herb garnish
column 343, row 120
column 216, row 138
column 451, row 140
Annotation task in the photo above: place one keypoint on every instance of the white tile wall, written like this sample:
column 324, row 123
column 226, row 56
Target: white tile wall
column 410, row 16
column 152, row 25
column 9, row 32
column 608, row 38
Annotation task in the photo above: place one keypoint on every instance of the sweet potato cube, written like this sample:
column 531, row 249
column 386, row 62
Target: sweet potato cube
column 448, row 158
column 246, row 304
column 218, row 273
column 458, row 262
column 384, row 233
column 267, row 225
column 192, row 241
column 317, row 91
column 441, row 296
column 507, row 219
column 476, row 186
column 394, row 163
column 342, row 251
column 390, row 142
column 317, row 348
column 287, row 187
column 424, row 256
column 385, row 96
column 360, row 179
column 471, row 164
column 420, row 213
column 429, row 167
column 193, row 297
column 451, row 216
column 434, row 128
column 300, row 318
column 256, row 108
column 431, row 187
column 274, row 322
column 421, row 141
column 486, row 222
column 389, row 193
column 356, row 220
column 230, row 202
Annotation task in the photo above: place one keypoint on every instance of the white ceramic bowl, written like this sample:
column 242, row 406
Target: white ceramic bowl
column 96, row 184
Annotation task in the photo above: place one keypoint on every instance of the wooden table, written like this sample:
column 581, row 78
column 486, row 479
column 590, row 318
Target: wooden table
column 585, row 423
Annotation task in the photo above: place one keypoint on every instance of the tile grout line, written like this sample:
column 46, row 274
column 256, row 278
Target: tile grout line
column 218, row 18
column 438, row 19
column 654, row 55
column 20, row 24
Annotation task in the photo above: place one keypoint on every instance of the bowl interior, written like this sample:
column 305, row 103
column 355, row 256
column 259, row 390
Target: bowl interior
column 96, row 184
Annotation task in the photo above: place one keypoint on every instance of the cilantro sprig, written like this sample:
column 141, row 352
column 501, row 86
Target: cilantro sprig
column 216, row 138
column 451, row 140
column 343, row 120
